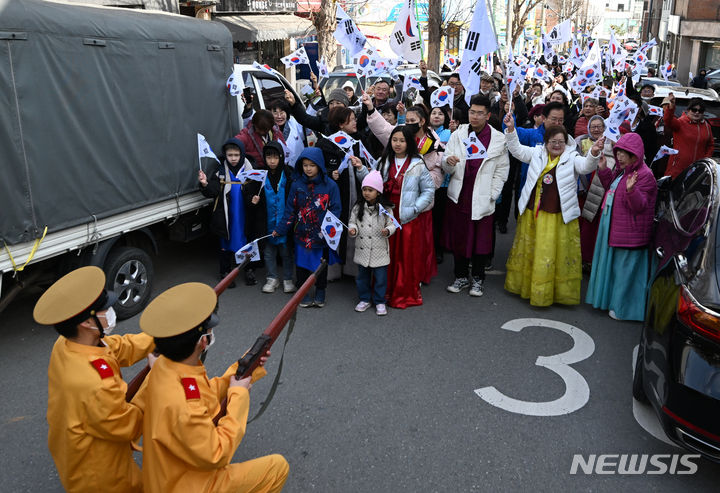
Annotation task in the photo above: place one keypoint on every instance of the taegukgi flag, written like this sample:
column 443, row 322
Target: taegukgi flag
column 331, row 230
column 480, row 41
column 347, row 32
column 233, row 86
column 405, row 37
column 322, row 68
column 250, row 250
column 475, row 148
column 204, row 149
column 665, row 151
column 342, row 140
column 442, row 96
column 265, row 68
column 389, row 214
column 297, row 57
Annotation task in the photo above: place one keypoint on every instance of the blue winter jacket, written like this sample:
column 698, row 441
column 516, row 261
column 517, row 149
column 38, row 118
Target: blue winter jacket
column 307, row 202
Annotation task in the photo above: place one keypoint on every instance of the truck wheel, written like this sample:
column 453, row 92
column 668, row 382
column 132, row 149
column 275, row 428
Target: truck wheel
column 637, row 387
column 129, row 273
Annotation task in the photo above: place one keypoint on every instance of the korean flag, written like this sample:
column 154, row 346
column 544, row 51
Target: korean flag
column 331, row 230
column 251, row 250
column 475, row 149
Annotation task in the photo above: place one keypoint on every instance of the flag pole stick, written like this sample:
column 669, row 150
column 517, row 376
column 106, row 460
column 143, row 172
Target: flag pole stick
column 500, row 58
column 422, row 55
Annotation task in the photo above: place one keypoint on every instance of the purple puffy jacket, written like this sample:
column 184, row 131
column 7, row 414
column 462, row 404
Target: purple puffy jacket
column 632, row 213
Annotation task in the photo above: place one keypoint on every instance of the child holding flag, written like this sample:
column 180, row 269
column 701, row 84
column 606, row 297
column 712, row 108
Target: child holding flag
column 228, row 213
column 312, row 194
column 265, row 203
column 371, row 222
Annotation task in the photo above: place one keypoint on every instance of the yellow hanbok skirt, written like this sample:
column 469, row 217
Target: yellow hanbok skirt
column 545, row 263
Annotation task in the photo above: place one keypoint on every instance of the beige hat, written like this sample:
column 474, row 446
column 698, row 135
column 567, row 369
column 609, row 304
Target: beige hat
column 179, row 309
column 73, row 294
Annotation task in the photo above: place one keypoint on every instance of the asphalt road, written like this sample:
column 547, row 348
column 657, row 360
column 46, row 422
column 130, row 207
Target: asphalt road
column 389, row 404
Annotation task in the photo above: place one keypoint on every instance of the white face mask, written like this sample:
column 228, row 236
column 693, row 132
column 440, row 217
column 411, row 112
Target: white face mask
column 111, row 319
column 211, row 337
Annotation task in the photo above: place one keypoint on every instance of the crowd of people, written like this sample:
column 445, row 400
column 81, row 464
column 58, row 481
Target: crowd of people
column 413, row 183
column 410, row 194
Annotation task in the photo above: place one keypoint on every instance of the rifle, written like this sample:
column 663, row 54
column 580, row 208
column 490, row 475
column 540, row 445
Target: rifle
column 251, row 359
column 134, row 384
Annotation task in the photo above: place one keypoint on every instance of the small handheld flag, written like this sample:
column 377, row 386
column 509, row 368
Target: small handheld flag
column 368, row 157
column 297, row 57
column 331, row 230
column 475, row 148
column 389, row 214
column 442, row 96
column 345, row 162
column 250, row 250
column 665, row 151
column 342, row 140
column 411, row 82
column 204, row 150
column 233, row 86
column 265, row 68
column 322, row 68
column 655, row 110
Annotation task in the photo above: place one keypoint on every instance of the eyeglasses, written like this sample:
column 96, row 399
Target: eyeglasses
column 556, row 142
column 696, row 110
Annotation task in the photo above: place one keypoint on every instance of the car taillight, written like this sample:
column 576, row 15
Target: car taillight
column 697, row 317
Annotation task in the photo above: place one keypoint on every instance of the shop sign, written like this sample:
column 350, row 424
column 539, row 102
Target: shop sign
column 257, row 6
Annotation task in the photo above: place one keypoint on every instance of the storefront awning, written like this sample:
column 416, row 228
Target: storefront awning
column 266, row 27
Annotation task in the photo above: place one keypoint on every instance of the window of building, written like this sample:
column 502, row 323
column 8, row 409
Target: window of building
column 621, row 7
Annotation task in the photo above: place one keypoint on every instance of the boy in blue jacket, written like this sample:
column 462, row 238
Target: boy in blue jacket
column 311, row 194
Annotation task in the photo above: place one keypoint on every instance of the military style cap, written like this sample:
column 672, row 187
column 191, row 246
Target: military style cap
column 78, row 294
column 179, row 309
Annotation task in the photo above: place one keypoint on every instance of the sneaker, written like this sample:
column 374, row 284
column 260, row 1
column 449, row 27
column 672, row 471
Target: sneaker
column 477, row 287
column 488, row 267
column 319, row 298
column 307, row 302
column 459, row 284
column 250, row 279
column 270, row 285
column 289, row 286
column 612, row 315
column 381, row 309
column 362, row 306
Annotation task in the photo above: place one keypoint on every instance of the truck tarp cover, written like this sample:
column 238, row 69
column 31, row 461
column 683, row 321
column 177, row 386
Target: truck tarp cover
column 100, row 108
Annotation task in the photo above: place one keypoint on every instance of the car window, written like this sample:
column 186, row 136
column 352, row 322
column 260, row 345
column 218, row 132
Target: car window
column 270, row 88
column 691, row 197
column 250, row 87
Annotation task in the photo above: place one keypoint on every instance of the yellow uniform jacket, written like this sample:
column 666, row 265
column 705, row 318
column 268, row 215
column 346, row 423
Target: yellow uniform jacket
column 90, row 426
column 182, row 449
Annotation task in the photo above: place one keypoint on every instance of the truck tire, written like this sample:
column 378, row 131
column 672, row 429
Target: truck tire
column 129, row 272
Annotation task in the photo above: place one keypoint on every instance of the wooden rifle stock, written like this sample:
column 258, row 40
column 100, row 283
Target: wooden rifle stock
column 134, row 384
column 251, row 359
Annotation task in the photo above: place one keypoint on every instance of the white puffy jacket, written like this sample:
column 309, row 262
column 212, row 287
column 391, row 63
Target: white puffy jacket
column 490, row 177
column 571, row 166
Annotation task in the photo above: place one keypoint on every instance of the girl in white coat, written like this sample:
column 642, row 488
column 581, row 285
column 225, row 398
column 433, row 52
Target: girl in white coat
column 371, row 224
column 545, row 263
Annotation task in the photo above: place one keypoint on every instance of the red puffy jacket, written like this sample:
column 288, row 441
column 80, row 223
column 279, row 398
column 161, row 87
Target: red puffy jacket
column 693, row 140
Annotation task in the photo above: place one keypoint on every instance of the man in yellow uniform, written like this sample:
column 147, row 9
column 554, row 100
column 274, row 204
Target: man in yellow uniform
column 183, row 450
column 90, row 426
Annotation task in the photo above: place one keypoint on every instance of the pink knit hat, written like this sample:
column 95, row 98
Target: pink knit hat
column 373, row 180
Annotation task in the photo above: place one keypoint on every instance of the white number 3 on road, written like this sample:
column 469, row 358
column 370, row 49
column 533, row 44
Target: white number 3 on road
column 577, row 392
